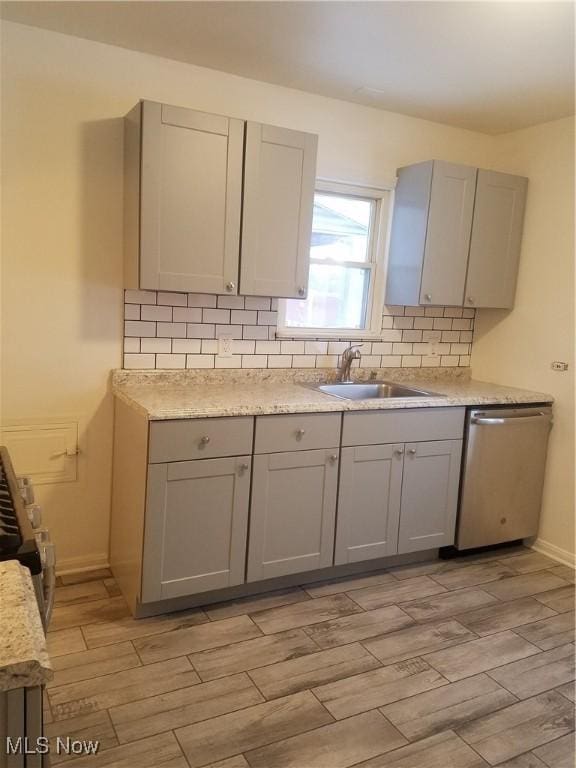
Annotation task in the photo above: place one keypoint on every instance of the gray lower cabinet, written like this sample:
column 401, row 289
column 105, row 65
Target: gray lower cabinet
column 293, row 511
column 369, row 502
column 429, row 495
column 196, row 526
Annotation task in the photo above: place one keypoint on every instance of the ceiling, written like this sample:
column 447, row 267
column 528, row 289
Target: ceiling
column 487, row 66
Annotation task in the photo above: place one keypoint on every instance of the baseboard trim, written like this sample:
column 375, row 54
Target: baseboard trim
column 556, row 553
column 71, row 565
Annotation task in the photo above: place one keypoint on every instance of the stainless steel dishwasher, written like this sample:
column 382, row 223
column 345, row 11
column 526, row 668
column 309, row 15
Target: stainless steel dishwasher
column 503, row 475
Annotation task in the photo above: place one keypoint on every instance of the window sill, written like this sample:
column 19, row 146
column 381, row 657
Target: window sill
column 323, row 335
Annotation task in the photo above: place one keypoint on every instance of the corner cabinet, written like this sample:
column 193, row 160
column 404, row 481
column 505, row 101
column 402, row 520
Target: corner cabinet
column 456, row 236
column 216, row 205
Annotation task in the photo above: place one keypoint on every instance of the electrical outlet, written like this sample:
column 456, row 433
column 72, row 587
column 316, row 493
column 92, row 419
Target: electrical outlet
column 557, row 365
column 225, row 346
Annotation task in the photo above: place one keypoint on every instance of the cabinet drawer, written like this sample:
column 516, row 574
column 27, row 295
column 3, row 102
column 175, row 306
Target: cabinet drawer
column 298, row 432
column 402, row 426
column 200, row 438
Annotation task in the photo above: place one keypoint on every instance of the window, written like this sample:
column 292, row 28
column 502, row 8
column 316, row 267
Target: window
column 345, row 285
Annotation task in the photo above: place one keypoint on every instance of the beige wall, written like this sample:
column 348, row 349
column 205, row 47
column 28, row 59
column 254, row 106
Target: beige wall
column 517, row 347
column 62, row 102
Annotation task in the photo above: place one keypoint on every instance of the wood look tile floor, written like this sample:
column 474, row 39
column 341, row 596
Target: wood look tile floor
column 458, row 664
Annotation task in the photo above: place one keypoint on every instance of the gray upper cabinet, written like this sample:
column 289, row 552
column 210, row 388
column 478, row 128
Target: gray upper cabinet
column 455, row 237
column 196, row 526
column 184, row 177
column 292, row 514
column 496, row 239
column 279, row 180
column 190, row 179
column 368, row 503
column 429, row 495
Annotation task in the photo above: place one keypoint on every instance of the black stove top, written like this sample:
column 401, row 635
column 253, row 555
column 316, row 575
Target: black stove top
column 17, row 541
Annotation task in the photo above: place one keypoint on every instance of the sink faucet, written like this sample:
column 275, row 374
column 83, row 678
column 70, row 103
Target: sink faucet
column 350, row 353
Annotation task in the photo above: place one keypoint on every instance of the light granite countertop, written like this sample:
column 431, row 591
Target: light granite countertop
column 24, row 659
column 163, row 395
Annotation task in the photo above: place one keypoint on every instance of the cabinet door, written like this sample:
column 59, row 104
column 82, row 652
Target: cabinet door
column 279, row 179
column 496, row 239
column 191, row 187
column 448, row 234
column 292, row 513
column 368, row 503
column 429, row 495
column 196, row 526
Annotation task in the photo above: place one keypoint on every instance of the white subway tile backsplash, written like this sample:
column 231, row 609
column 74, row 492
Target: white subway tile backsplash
column 173, row 330
column 234, row 331
column 140, row 297
column 186, row 346
column 187, row 315
column 131, row 311
column 243, row 347
column 228, row 362
column 411, row 361
column 172, row 299
column 243, row 317
column 254, row 361
column 257, row 302
column 131, row 345
column 202, row 300
column 316, row 347
column 199, row 361
column 216, row 316
column 434, row 311
column 230, row 302
column 267, row 318
column 200, row 331
column 303, row 361
column 170, row 361
column 139, row 361
column 139, row 328
column 292, row 347
column 268, row 347
column 279, row 361
column 154, row 312
column 155, row 345
column 259, row 332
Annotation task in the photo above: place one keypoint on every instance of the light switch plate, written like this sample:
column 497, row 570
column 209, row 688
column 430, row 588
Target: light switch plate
column 225, row 343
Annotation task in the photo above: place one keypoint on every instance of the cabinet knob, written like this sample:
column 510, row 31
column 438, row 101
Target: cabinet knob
column 428, row 297
column 412, row 451
column 243, row 468
column 204, row 440
column 333, row 458
column 301, row 291
column 230, row 287
column 470, row 300
column 398, row 452
column 300, row 434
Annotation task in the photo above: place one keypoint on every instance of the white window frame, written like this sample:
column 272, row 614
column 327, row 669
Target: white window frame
column 380, row 233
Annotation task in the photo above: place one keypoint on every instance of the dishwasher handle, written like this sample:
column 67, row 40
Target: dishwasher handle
column 508, row 419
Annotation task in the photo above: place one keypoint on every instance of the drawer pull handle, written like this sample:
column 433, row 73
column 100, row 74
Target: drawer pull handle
column 300, row 434
column 333, row 458
column 398, row 452
column 412, row 451
column 204, row 440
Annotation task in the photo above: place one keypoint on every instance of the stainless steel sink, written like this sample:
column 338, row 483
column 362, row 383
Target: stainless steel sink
column 372, row 390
